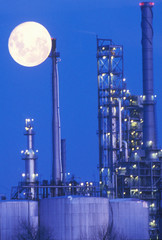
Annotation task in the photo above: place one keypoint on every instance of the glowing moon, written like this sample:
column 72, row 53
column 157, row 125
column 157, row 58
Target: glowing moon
column 29, row 44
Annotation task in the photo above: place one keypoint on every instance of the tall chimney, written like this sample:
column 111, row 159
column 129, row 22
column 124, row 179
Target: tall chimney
column 149, row 125
column 56, row 135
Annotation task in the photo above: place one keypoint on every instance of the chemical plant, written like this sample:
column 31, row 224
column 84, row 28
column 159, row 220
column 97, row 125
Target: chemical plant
column 126, row 201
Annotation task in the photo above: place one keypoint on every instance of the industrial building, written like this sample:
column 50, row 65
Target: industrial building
column 129, row 159
column 125, row 202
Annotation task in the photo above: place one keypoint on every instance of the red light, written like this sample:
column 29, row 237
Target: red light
column 152, row 3
column 141, row 4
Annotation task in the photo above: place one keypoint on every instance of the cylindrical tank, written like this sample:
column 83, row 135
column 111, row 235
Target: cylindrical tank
column 17, row 218
column 74, row 218
column 149, row 125
column 86, row 218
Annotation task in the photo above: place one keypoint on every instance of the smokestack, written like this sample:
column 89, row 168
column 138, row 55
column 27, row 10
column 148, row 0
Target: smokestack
column 56, row 135
column 149, row 125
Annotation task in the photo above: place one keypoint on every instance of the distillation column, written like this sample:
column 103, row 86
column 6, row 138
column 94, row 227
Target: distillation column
column 149, row 127
column 56, row 135
column 30, row 160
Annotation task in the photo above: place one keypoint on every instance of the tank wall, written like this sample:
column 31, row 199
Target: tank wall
column 14, row 214
column 74, row 218
column 130, row 218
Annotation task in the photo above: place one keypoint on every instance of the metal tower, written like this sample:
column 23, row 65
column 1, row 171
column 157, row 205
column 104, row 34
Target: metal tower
column 110, row 91
column 30, row 157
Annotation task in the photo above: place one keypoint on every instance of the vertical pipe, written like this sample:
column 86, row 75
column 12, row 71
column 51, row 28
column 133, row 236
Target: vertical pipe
column 149, row 127
column 63, row 159
column 56, row 139
column 120, row 126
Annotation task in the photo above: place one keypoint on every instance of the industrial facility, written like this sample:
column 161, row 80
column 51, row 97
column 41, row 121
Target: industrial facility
column 125, row 204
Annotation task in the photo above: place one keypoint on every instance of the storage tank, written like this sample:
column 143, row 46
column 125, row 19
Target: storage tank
column 74, row 218
column 16, row 217
column 85, row 218
column 130, row 218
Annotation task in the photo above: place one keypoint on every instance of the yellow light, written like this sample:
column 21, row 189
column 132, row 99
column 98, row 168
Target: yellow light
column 103, row 48
column 124, row 193
column 100, row 182
column 23, row 174
column 91, row 183
column 82, row 184
column 152, row 205
column 69, row 184
column 29, row 44
column 124, row 79
column 131, row 176
column 125, row 119
column 104, row 57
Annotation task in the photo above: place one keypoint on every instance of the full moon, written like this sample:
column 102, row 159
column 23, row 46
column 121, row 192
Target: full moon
column 29, row 44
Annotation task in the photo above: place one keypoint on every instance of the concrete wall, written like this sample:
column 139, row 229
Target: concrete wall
column 13, row 214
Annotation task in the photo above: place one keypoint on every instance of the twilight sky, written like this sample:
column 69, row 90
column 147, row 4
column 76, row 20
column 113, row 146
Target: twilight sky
column 26, row 92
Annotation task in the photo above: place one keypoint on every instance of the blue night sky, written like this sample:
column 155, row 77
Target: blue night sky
column 26, row 92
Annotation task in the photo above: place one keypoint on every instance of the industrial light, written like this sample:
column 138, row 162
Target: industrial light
column 152, row 205
column 23, row 174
